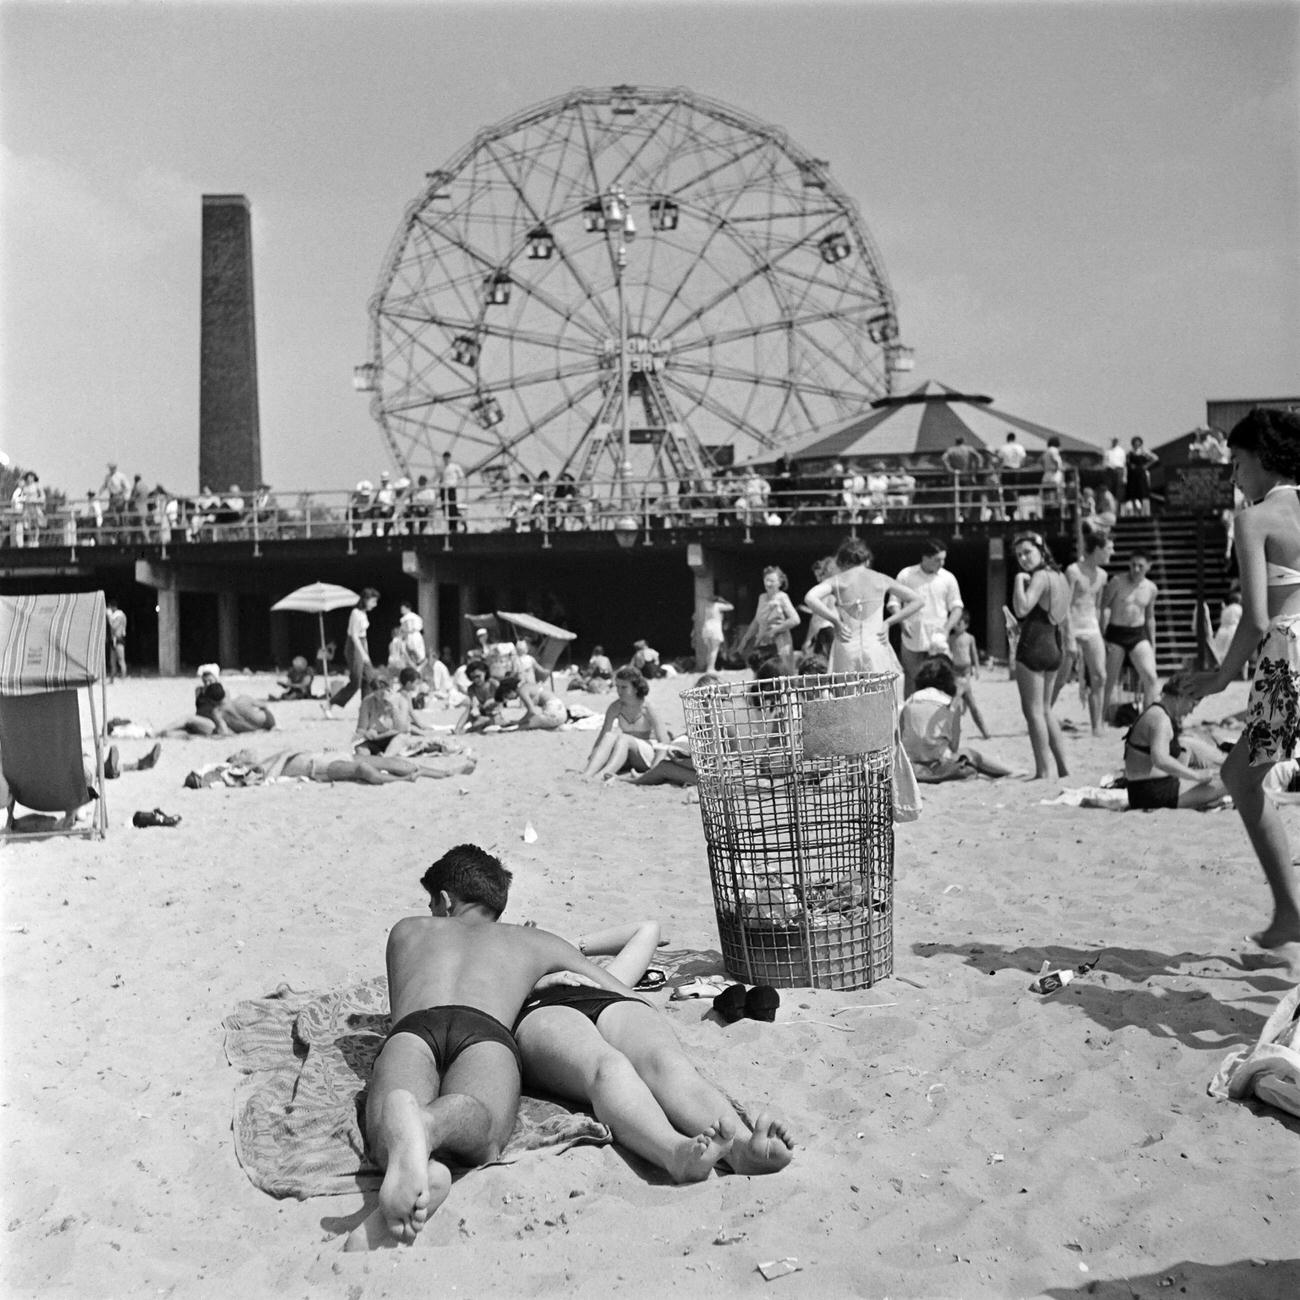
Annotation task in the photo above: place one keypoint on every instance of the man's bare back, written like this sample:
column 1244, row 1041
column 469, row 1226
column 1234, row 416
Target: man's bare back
column 488, row 965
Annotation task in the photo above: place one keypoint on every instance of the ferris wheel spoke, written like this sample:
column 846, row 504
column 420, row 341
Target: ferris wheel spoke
column 702, row 399
column 554, row 412
column 750, row 377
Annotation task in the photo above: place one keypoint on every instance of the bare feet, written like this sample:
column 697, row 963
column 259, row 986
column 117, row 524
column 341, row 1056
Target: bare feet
column 372, row 1232
column 693, row 1159
column 404, row 1199
column 770, row 1147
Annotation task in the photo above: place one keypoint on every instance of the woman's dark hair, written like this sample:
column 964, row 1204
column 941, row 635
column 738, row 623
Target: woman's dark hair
column 1053, row 442
column 851, row 551
column 812, row 666
column 1036, row 539
column 931, row 547
column 367, row 593
column 639, row 683
column 1273, row 436
column 506, row 688
column 935, row 673
column 472, row 875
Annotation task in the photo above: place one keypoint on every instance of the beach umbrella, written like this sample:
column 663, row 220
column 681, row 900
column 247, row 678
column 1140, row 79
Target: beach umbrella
column 551, row 640
column 319, row 598
column 927, row 420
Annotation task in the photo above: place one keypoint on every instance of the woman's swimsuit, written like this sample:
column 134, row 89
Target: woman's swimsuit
column 581, row 997
column 1154, row 791
column 1039, row 647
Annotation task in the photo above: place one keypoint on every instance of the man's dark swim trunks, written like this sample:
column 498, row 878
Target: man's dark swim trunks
column 1126, row 637
column 581, row 997
column 448, row 1031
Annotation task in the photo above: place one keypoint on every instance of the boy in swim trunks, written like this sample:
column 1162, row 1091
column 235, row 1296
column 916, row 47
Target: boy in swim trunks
column 1128, row 622
column 446, row 1082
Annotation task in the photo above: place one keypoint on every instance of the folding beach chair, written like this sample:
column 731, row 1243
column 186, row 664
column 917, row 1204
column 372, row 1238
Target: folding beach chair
column 50, row 647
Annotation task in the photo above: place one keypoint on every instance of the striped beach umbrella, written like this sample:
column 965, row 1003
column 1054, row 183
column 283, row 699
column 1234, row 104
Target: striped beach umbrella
column 926, row 421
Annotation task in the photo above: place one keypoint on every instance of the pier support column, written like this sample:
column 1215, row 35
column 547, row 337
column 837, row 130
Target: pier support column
column 228, row 628
column 701, row 565
column 169, row 632
column 995, row 626
column 424, row 569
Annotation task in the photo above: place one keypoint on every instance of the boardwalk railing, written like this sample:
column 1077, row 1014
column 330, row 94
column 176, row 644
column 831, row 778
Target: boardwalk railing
column 631, row 508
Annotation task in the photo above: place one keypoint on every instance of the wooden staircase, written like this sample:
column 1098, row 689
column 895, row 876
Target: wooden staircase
column 1170, row 542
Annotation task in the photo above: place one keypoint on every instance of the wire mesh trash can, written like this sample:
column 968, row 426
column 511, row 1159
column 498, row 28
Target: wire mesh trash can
column 796, row 796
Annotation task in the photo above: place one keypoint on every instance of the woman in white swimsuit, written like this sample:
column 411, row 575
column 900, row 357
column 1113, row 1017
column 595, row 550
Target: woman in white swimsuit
column 853, row 603
column 1265, row 450
column 1086, row 650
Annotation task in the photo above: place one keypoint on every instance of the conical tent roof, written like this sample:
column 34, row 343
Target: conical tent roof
column 927, row 420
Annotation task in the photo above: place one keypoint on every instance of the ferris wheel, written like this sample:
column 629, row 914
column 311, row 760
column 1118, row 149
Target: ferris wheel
column 619, row 280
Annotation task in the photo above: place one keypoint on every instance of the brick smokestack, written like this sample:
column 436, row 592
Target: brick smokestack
column 230, row 444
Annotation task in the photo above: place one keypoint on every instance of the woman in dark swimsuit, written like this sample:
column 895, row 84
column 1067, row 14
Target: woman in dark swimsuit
column 619, row 1055
column 1153, row 754
column 1040, row 600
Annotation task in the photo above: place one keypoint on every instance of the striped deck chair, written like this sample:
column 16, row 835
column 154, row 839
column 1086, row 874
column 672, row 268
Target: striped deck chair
column 50, row 647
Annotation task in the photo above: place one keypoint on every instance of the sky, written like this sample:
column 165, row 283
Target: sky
column 1090, row 212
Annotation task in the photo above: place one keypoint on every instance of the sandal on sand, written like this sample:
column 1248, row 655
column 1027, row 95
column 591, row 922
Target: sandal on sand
column 699, row 988
column 651, row 982
column 730, row 1003
column 155, row 818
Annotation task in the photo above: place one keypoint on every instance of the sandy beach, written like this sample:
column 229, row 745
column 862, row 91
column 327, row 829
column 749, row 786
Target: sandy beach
column 958, row 1135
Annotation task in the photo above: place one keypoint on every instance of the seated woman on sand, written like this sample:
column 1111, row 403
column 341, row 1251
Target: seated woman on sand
column 483, row 708
column 543, row 709
column 1154, row 753
column 297, row 681
column 930, row 724
column 630, row 733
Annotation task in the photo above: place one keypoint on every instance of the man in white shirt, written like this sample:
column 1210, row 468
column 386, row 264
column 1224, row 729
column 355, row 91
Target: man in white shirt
column 1011, row 459
column 926, row 633
column 1115, row 458
column 453, row 478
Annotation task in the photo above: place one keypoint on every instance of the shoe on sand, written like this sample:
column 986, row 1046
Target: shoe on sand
column 113, row 764
column 730, row 1003
column 150, row 758
column 155, row 818
column 761, row 1003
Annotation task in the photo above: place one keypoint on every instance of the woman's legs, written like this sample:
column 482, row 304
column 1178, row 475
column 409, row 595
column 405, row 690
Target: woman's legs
column 1093, row 651
column 691, row 1103
column 565, row 1053
column 612, row 744
column 1268, row 838
column 1044, row 733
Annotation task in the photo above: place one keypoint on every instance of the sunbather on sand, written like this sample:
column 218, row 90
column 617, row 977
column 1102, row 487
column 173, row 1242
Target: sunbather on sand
column 446, row 1082
column 371, row 769
column 543, row 709
column 1156, row 754
column 619, row 1055
column 631, row 734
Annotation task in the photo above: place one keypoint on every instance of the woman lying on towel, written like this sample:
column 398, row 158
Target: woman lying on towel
column 619, row 1055
column 329, row 766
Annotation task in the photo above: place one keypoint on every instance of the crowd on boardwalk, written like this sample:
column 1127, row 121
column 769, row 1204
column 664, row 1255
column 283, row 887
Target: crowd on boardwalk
column 1001, row 484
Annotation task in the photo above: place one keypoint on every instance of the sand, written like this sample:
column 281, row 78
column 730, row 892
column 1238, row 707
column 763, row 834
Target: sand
column 959, row 1135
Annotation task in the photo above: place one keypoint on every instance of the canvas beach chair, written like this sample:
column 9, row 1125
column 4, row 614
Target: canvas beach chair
column 50, row 647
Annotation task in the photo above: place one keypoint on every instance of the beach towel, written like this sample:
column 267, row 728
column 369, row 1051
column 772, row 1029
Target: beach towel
column 306, row 1058
column 1271, row 1069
